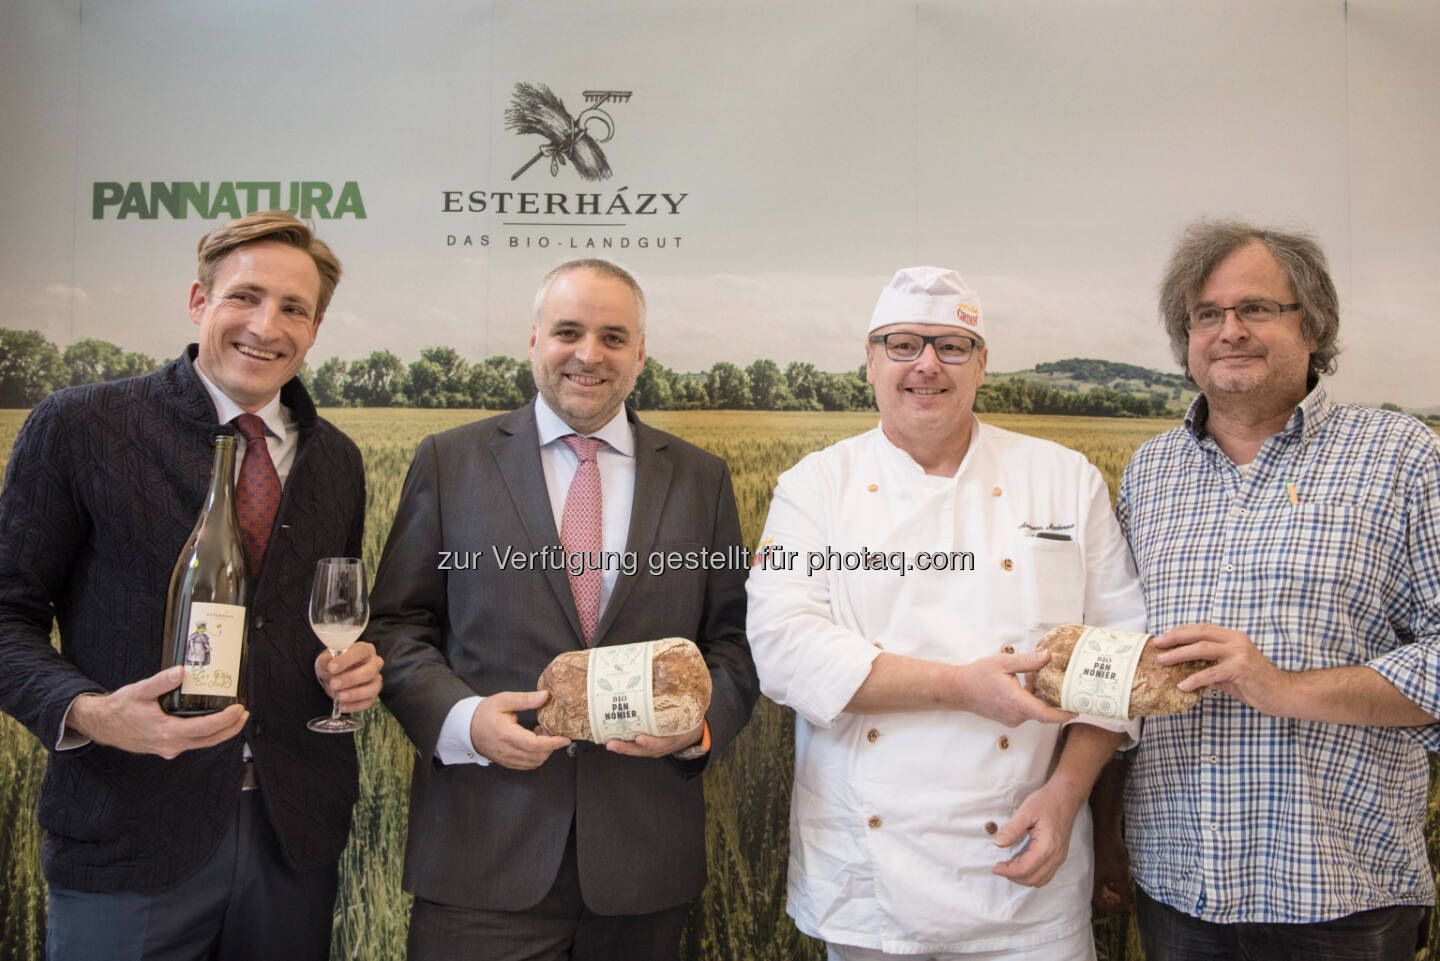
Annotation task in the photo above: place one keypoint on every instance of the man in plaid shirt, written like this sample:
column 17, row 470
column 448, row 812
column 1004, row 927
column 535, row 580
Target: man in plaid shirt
column 1295, row 543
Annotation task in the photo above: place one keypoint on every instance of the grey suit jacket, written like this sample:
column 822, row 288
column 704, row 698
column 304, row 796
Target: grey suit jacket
column 490, row 837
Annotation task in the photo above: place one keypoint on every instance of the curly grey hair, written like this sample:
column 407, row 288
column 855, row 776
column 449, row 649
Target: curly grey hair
column 1205, row 243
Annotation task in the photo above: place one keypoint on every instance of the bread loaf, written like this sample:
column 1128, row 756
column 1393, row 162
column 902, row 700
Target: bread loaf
column 1152, row 692
column 680, row 687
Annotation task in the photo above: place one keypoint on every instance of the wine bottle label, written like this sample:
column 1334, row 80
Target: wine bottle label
column 212, row 649
column 620, row 691
column 1101, row 670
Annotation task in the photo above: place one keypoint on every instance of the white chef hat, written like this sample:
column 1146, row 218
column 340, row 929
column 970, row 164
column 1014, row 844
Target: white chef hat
column 929, row 295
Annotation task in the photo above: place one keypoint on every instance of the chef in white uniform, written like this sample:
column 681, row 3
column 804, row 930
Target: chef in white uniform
column 903, row 579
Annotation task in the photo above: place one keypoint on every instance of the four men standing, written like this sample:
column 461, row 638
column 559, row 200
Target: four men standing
column 1292, row 541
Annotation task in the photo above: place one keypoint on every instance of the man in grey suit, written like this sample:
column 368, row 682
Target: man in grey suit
column 524, row 845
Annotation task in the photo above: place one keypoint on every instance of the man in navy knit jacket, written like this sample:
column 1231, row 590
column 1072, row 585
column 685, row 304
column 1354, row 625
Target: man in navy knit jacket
column 186, row 837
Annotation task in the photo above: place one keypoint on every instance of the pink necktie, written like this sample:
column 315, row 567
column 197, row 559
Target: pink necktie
column 580, row 531
column 257, row 494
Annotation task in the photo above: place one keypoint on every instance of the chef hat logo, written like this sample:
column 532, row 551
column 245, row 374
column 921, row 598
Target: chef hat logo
column 929, row 295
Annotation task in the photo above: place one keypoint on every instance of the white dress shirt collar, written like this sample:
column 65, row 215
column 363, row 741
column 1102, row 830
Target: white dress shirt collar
column 274, row 414
column 616, row 432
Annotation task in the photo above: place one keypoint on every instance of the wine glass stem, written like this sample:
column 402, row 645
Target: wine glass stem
column 334, row 700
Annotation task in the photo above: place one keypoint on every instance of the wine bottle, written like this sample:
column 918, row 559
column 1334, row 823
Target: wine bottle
column 205, row 616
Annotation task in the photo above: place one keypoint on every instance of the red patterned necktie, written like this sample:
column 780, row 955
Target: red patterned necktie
column 257, row 494
column 580, row 531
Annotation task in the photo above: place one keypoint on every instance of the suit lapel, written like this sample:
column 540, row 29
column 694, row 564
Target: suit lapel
column 516, row 447
column 653, row 468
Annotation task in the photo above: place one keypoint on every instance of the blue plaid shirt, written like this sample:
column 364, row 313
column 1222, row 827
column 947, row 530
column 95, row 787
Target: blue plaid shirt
column 1326, row 552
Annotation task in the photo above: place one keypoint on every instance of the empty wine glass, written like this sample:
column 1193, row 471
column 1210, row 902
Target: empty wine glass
column 339, row 611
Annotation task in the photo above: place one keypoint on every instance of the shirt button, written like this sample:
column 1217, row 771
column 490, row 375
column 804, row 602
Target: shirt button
column 1007, row 564
column 1214, row 693
column 1008, row 649
column 1214, row 826
column 991, row 827
column 1229, row 568
column 258, row 621
column 874, row 822
column 873, row 487
column 872, row 735
column 1213, row 759
column 1003, row 743
column 571, row 749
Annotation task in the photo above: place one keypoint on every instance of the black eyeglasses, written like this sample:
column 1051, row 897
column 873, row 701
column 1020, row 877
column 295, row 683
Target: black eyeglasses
column 903, row 346
column 1250, row 312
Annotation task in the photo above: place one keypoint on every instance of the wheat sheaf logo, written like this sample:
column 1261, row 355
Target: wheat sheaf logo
column 535, row 109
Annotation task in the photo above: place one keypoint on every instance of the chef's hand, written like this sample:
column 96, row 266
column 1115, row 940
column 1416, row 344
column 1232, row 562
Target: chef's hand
column 992, row 689
column 1047, row 816
column 1240, row 670
column 646, row 745
column 499, row 736
column 351, row 677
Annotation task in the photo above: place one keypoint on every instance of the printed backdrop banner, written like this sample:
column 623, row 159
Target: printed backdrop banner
column 763, row 167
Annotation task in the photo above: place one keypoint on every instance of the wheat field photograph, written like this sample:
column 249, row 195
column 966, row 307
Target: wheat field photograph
column 740, row 916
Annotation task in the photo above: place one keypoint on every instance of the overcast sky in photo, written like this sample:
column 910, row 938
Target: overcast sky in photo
column 1049, row 151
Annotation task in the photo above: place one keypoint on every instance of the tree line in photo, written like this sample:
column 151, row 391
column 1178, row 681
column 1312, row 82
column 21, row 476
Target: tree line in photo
column 442, row 378
column 32, row 367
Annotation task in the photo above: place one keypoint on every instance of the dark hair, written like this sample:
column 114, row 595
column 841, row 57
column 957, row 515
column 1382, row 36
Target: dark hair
column 1205, row 243
column 600, row 267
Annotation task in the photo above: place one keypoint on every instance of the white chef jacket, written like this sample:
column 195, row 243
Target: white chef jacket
column 892, row 817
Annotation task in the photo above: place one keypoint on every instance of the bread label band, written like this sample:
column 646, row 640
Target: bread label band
column 1101, row 671
column 620, row 691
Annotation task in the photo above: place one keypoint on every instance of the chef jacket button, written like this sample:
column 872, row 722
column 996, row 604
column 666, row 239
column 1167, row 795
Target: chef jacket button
column 573, row 747
column 1007, row 563
column 1008, row 649
column 872, row 735
column 874, row 822
column 873, row 487
column 991, row 827
column 1004, row 743
column 996, row 492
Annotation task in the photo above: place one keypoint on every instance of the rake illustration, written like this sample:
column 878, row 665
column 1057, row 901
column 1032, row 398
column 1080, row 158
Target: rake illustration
column 535, row 109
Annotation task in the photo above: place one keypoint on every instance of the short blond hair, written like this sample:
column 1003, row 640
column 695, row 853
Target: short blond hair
column 273, row 226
